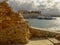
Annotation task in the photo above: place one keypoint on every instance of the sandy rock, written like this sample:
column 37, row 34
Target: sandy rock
column 41, row 33
column 58, row 37
column 13, row 27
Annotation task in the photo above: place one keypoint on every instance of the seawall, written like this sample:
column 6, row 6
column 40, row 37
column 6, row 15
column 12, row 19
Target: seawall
column 45, row 33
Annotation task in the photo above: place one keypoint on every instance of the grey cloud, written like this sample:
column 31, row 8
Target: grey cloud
column 24, row 6
column 30, row 6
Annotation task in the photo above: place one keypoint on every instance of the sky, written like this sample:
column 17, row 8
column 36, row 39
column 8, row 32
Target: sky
column 46, row 6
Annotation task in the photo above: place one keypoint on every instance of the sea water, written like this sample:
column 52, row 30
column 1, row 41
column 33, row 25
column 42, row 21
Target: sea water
column 49, row 24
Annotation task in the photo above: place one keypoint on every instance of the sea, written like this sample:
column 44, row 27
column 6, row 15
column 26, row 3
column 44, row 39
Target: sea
column 53, row 24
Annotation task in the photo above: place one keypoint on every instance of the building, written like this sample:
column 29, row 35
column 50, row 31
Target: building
column 30, row 14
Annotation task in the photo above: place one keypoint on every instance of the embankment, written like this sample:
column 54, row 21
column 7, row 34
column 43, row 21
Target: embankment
column 45, row 33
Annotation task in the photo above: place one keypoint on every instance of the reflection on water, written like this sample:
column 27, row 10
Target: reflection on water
column 50, row 24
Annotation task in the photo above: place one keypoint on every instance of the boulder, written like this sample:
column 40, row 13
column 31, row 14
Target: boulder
column 13, row 27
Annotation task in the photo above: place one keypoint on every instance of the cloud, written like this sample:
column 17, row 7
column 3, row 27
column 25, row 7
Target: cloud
column 26, row 4
column 41, row 5
column 1, row 0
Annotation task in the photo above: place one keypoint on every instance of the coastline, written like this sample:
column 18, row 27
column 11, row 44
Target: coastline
column 15, row 29
column 43, row 36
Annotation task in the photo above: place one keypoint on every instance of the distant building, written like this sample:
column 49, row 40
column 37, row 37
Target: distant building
column 30, row 14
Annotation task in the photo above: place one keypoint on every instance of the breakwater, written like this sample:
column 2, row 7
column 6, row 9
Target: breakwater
column 39, row 32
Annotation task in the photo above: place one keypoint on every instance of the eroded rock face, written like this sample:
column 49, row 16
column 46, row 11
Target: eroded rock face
column 13, row 27
column 58, row 37
column 40, row 33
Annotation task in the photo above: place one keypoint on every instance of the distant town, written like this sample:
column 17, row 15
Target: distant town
column 35, row 14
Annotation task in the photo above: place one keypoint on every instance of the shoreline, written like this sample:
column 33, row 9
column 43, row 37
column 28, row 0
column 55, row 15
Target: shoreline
column 43, row 31
column 50, row 29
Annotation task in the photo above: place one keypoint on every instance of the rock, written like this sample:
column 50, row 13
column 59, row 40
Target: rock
column 13, row 27
column 58, row 37
column 54, row 41
column 41, row 33
column 38, row 33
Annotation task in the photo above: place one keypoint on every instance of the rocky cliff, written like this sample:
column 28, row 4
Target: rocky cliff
column 13, row 27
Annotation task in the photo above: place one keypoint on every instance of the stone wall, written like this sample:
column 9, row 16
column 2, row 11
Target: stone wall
column 41, row 33
column 58, row 36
